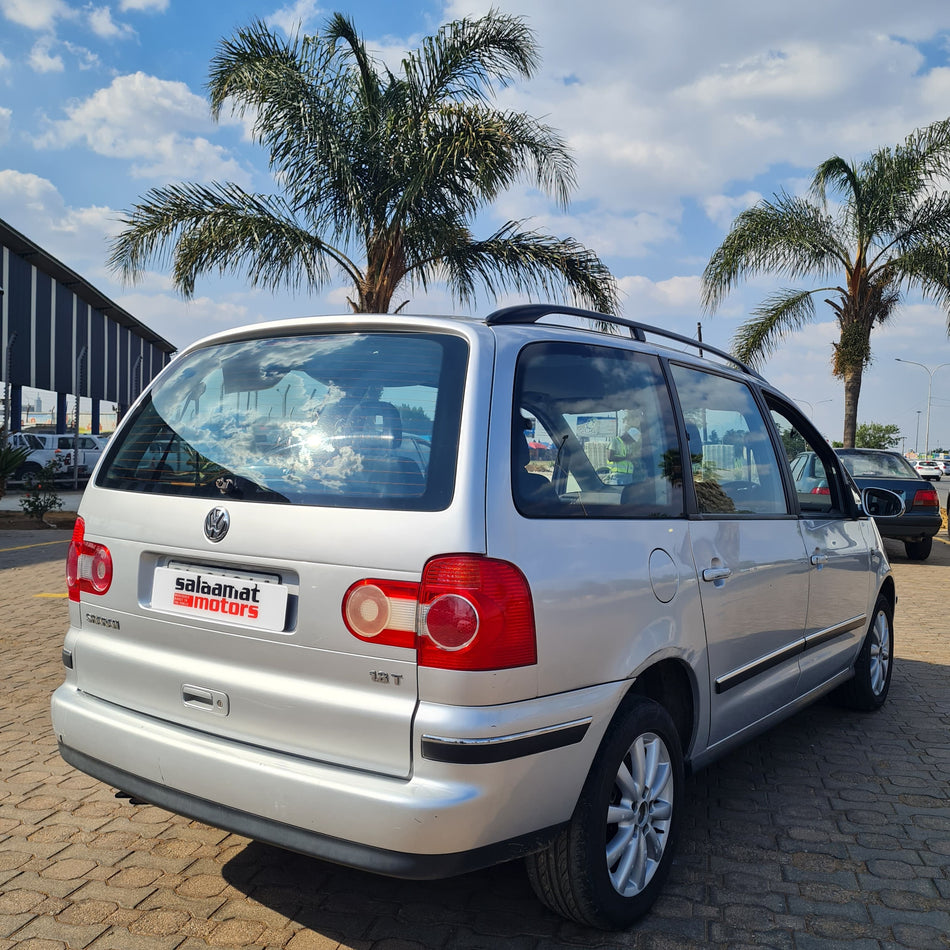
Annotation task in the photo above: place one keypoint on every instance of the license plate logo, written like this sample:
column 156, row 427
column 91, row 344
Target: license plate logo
column 221, row 597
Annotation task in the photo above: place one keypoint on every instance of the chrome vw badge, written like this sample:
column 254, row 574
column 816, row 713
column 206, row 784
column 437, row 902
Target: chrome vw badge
column 217, row 522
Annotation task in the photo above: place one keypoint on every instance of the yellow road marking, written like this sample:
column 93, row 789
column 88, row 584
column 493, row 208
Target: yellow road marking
column 51, row 595
column 39, row 544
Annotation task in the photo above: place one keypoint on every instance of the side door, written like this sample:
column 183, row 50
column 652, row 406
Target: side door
column 835, row 536
column 748, row 552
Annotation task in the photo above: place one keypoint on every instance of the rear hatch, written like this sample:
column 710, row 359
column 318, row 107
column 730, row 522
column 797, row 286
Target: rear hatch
column 255, row 483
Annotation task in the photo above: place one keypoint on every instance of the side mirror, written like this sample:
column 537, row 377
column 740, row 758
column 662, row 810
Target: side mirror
column 882, row 503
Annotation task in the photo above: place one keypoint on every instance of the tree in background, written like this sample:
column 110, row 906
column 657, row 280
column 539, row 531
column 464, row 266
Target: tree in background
column 381, row 173
column 874, row 435
column 889, row 233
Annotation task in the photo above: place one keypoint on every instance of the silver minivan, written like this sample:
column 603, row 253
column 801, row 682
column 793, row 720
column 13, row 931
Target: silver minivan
column 419, row 595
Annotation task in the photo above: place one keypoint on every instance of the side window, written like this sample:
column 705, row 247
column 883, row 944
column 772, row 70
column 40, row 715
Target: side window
column 816, row 492
column 593, row 435
column 734, row 465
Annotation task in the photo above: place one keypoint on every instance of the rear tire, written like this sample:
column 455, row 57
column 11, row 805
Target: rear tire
column 918, row 550
column 608, row 866
column 868, row 689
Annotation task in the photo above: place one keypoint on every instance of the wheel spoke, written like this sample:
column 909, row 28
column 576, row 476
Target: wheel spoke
column 627, row 783
column 632, row 867
column 619, row 813
column 619, row 843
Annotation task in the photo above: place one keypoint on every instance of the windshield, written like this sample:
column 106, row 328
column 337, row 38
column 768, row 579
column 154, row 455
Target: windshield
column 343, row 419
column 877, row 464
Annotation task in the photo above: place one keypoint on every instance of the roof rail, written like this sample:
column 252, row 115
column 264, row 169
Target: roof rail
column 532, row 312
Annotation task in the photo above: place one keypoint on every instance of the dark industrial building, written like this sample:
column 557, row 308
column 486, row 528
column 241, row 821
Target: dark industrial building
column 58, row 333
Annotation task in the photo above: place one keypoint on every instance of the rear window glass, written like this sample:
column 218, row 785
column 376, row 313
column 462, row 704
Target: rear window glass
column 362, row 420
column 877, row 465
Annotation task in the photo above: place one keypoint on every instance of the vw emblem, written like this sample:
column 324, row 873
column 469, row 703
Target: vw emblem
column 217, row 522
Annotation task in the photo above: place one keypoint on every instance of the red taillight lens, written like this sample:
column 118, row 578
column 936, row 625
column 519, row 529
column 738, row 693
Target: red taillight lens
column 469, row 613
column 926, row 498
column 88, row 565
column 382, row 611
column 821, row 490
column 476, row 614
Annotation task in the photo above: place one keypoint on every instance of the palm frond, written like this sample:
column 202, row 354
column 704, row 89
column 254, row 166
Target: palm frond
column 528, row 262
column 789, row 236
column 196, row 229
column 777, row 316
column 466, row 57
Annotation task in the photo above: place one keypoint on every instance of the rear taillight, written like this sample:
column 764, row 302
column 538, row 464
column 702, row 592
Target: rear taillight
column 468, row 613
column 88, row 565
column 926, row 498
column 821, row 490
column 475, row 614
column 382, row 611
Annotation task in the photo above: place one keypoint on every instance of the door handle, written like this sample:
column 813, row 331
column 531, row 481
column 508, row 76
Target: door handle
column 713, row 574
column 210, row 700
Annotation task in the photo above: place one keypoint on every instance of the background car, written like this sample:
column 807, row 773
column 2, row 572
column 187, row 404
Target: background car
column 876, row 468
column 928, row 468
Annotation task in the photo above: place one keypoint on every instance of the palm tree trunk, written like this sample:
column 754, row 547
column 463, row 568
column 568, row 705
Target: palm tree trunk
column 852, row 390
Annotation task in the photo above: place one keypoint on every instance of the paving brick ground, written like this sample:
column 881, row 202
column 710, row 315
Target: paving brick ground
column 831, row 831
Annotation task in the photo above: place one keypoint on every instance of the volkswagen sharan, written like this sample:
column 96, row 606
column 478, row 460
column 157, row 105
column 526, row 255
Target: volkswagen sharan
column 288, row 621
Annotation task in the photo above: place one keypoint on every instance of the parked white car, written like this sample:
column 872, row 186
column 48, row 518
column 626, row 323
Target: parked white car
column 928, row 469
column 288, row 621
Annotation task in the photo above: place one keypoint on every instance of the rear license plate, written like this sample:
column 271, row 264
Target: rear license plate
column 243, row 600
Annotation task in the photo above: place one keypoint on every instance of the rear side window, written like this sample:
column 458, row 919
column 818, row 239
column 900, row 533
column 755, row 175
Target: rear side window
column 593, row 435
column 362, row 420
column 734, row 466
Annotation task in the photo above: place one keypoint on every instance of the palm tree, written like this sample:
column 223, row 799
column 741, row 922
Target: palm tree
column 889, row 234
column 379, row 174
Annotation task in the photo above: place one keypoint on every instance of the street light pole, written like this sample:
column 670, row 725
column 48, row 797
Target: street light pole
column 917, row 435
column 930, row 387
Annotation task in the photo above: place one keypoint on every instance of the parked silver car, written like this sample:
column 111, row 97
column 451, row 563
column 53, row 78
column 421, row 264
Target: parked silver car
column 287, row 621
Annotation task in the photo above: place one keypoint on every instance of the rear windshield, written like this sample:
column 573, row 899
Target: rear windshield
column 361, row 420
column 877, row 465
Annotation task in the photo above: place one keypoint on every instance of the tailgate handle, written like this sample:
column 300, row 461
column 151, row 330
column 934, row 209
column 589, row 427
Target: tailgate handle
column 210, row 700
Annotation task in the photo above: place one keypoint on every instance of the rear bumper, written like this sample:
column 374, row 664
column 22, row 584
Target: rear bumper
column 447, row 818
column 911, row 527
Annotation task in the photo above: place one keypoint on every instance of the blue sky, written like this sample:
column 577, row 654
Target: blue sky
column 679, row 115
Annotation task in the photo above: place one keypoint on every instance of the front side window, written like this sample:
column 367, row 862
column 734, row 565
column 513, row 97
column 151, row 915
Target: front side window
column 593, row 435
column 364, row 420
column 734, row 466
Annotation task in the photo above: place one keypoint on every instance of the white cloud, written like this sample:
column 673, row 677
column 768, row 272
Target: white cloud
column 102, row 24
column 144, row 6
column 77, row 236
column 85, row 58
column 722, row 209
column 42, row 61
column 296, row 16
column 6, row 116
column 35, row 14
column 183, row 321
column 150, row 122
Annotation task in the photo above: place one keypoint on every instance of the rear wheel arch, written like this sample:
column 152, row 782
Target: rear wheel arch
column 671, row 684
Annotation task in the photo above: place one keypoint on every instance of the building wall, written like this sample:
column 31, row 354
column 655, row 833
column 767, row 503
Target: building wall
column 58, row 333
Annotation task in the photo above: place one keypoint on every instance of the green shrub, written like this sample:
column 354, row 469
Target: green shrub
column 40, row 494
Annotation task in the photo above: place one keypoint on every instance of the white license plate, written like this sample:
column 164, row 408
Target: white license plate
column 245, row 601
